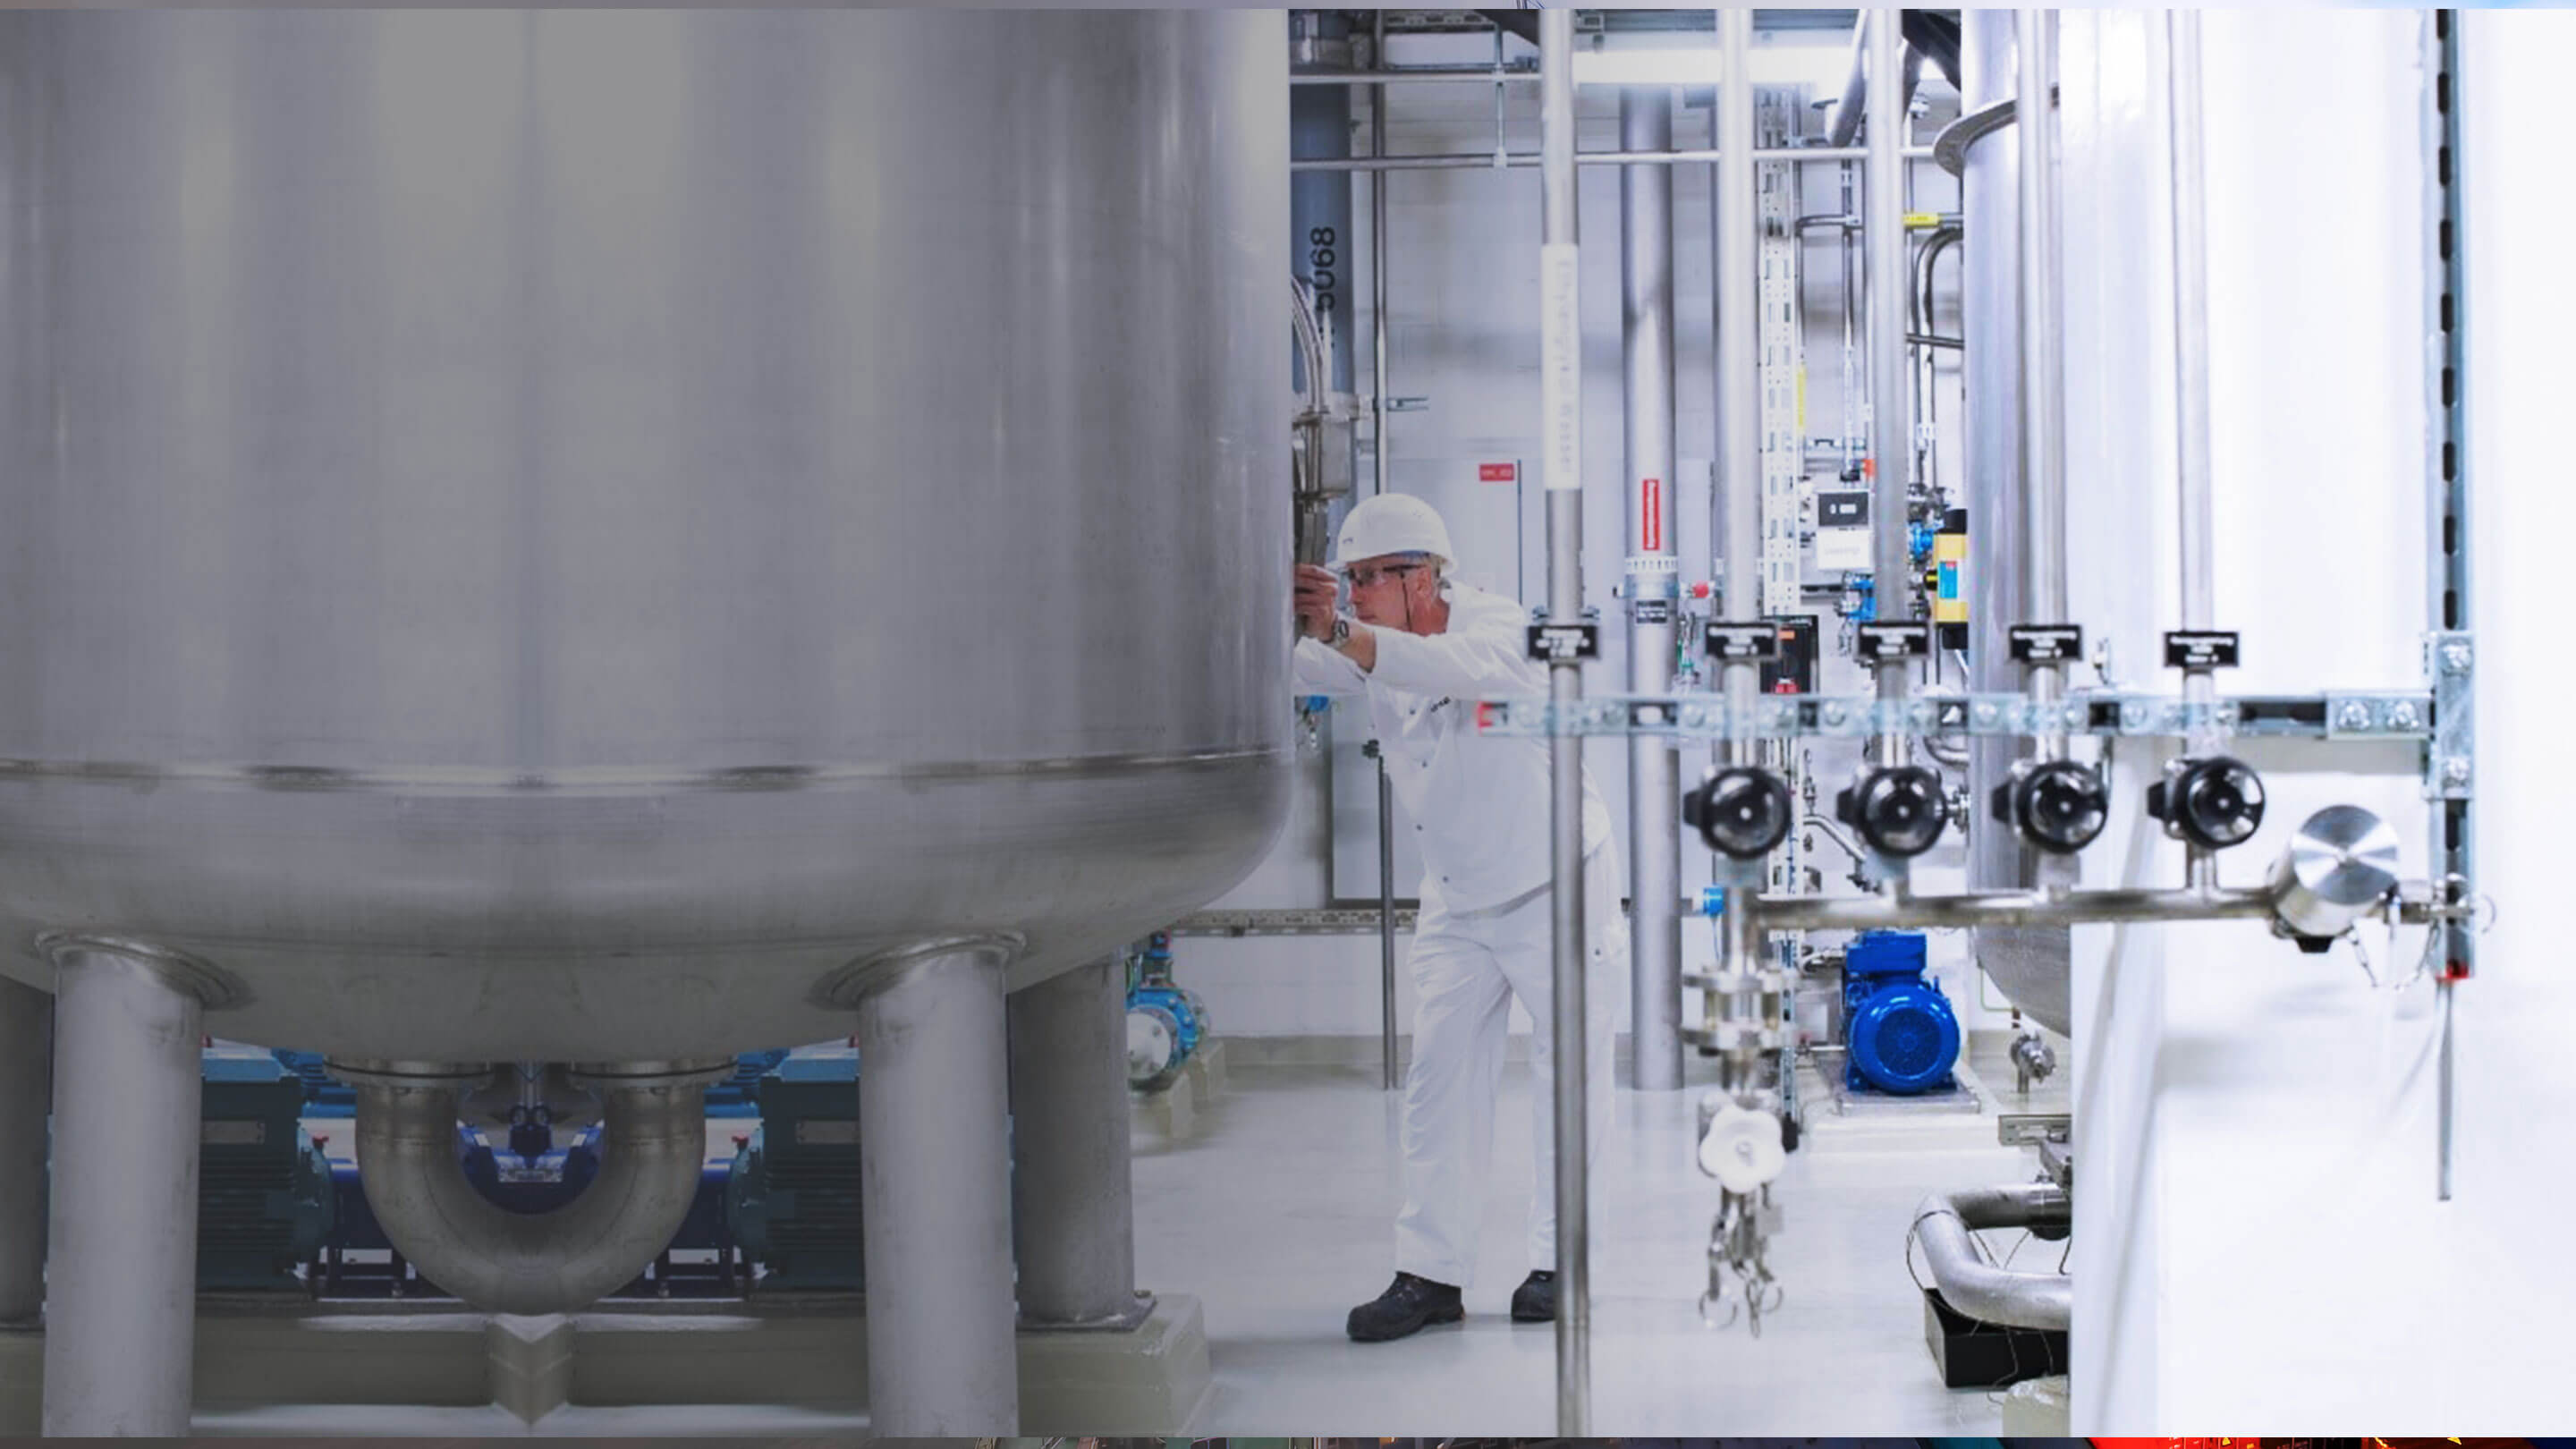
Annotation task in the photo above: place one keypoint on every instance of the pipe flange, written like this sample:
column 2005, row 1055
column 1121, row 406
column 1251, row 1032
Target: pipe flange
column 844, row 989
column 412, row 1076
column 1950, row 148
column 214, row 988
column 631, row 1076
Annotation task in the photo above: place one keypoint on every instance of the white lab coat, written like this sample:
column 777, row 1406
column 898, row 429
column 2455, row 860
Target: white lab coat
column 1480, row 806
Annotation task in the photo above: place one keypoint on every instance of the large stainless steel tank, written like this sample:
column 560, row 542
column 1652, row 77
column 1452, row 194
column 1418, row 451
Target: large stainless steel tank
column 548, row 535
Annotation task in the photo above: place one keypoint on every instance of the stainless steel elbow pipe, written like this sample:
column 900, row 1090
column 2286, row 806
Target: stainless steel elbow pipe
column 1944, row 1225
column 652, row 1145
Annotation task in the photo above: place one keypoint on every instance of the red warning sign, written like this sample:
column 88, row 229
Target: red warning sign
column 1498, row 472
column 1651, row 509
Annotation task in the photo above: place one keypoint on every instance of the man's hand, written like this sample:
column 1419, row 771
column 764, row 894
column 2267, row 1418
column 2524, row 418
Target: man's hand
column 1319, row 597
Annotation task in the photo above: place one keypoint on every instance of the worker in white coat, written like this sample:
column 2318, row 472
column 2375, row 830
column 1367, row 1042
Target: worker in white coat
column 1422, row 649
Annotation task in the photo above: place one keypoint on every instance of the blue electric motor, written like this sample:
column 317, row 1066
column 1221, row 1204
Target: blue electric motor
column 264, row 1197
column 1165, row 1023
column 1900, row 1031
column 792, row 1199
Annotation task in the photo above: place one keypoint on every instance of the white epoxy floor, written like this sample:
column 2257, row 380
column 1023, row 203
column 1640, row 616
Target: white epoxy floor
column 1279, row 1216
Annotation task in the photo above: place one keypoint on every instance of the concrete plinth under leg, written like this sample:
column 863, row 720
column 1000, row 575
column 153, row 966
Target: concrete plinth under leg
column 287, row 1366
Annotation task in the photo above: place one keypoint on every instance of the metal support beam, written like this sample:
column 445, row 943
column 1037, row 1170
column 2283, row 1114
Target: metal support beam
column 935, row 1195
column 1653, row 578
column 121, row 1278
column 1490, row 161
column 2447, row 391
column 26, row 1056
column 1073, row 1203
column 1561, row 400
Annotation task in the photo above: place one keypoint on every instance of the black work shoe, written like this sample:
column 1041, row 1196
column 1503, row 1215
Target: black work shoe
column 1535, row 1300
column 1408, row 1306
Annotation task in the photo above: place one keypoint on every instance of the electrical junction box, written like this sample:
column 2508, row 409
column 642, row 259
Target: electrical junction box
column 1842, row 529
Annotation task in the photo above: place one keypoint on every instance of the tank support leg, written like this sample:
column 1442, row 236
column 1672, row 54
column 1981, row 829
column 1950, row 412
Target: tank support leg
column 1073, row 1203
column 120, row 1314
column 934, row 1193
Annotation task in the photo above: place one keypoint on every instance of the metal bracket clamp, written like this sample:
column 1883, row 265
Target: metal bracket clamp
column 2450, row 761
column 1551, row 643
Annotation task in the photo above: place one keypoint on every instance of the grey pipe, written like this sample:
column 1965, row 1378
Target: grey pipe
column 1848, row 111
column 26, row 1064
column 2198, row 545
column 1734, row 211
column 1484, row 161
column 121, row 1307
column 1073, row 1205
column 1654, row 777
column 1562, row 390
column 1380, row 455
column 2011, row 908
column 2029, row 964
column 1386, row 76
column 2042, row 361
column 935, row 1195
column 1734, row 214
column 1976, row 1287
column 1891, row 427
column 2042, row 351
column 652, row 1144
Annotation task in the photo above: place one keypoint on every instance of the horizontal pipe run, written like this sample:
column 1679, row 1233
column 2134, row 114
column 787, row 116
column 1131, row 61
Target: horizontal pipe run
column 1484, row 161
column 1470, row 73
column 2010, row 908
column 1975, row 1287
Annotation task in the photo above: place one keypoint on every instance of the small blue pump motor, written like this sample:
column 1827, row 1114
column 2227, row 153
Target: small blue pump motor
column 1900, row 1031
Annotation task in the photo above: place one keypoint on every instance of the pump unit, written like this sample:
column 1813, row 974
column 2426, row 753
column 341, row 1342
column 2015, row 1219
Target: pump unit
column 264, row 1198
column 1165, row 1023
column 1901, row 1034
column 792, row 1201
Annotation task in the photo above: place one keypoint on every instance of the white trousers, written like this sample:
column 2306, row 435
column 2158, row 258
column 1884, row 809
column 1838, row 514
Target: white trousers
column 1466, row 970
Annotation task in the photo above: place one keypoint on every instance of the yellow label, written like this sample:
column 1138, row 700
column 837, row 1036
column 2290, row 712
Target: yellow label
column 1922, row 220
column 1802, row 405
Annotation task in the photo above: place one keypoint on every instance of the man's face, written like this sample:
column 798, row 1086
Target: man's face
column 1393, row 591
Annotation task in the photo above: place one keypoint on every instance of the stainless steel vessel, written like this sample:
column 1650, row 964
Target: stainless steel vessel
column 549, row 535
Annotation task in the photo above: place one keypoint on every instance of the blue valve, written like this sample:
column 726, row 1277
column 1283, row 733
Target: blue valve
column 1712, row 901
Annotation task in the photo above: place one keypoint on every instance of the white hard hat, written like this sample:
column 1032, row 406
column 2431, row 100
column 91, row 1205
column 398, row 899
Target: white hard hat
column 1390, row 523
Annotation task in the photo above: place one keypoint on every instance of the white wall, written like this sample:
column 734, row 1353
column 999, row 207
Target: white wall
column 2258, row 1242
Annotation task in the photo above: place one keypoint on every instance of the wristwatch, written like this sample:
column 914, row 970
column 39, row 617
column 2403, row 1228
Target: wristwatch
column 1341, row 631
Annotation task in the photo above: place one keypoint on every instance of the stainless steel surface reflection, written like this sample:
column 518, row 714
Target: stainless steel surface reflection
column 545, row 535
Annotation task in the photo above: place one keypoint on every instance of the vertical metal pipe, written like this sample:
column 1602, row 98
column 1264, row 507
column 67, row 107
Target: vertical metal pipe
column 26, row 1054
column 2191, row 327
column 1377, row 259
column 1073, row 1206
column 2449, row 460
column 121, row 1295
column 1561, row 400
column 1891, row 429
column 2028, row 962
column 1380, row 453
column 935, row 1197
column 1319, row 202
column 1735, row 213
column 2042, row 350
column 1654, row 777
